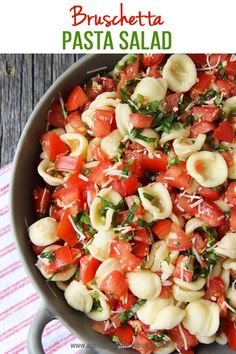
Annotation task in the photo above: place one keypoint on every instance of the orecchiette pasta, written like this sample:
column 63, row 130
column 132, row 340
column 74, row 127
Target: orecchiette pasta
column 105, row 268
column 160, row 206
column 213, row 169
column 195, row 285
column 173, row 134
column 221, row 339
column 99, row 248
column 227, row 246
column 43, row 232
column 103, row 313
column 180, row 73
column 123, row 61
column 168, row 349
column 183, row 295
column 149, row 310
column 168, row 318
column 193, row 224
column 91, row 146
column 229, row 105
column 44, row 169
column 184, row 147
column 151, row 89
column 110, row 144
column 144, row 284
column 79, row 297
column 122, row 118
column 148, row 133
column 231, row 296
column 99, row 222
column 202, row 318
column 159, row 252
column 61, row 285
column 229, row 264
column 77, row 143
column 206, row 340
column 232, row 169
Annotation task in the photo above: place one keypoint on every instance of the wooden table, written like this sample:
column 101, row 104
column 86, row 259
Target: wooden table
column 24, row 78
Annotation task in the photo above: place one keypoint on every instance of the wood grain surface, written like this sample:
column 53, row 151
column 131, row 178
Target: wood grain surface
column 24, row 78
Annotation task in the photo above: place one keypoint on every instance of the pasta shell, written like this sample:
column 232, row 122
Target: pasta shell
column 99, row 248
column 79, row 297
column 110, row 144
column 168, row 318
column 184, row 147
column 144, row 284
column 43, row 232
column 100, row 315
column 43, row 168
column 229, row 105
column 151, row 89
column 227, row 246
column 174, row 134
column 122, row 118
column 149, row 310
column 148, row 133
column 77, row 143
column 106, row 268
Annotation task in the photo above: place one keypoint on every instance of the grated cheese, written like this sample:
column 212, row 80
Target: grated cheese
column 82, row 236
column 84, row 178
column 229, row 307
column 183, row 336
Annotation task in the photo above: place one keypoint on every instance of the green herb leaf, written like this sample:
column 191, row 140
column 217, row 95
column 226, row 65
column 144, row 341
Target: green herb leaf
column 135, row 134
column 148, row 196
column 132, row 211
column 124, row 237
column 48, row 255
column 221, row 148
column 96, row 302
column 110, row 205
column 160, row 339
column 116, row 340
column 173, row 161
column 211, row 235
column 221, row 71
column 125, row 170
column 125, row 316
column 86, row 172
column 227, row 214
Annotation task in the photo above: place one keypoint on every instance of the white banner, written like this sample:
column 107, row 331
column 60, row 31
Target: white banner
column 108, row 26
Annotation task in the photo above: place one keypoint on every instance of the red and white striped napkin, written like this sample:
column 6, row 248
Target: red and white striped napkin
column 19, row 301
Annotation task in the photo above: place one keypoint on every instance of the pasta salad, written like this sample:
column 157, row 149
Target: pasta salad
column 136, row 213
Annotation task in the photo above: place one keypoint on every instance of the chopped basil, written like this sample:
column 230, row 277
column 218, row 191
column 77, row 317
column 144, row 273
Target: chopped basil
column 116, row 340
column 124, row 237
column 221, row 148
column 48, row 255
column 148, row 196
column 81, row 218
column 139, row 98
column 210, row 234
column 125, row 316
column 142, row 265
column 147, row 225
column 110, row 205
column 136, row 134
column 160, row 338
column 189, row 121
column 96, row 303
column 125, row 170
column 173, row 161
column 165, row 148
column 221, row 71
column 151, row 109
column 86, row 172
column 167, row 259
column 227, row 214
column 131, row 212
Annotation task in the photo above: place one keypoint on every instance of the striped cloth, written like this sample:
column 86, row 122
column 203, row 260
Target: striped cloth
column 19, row 300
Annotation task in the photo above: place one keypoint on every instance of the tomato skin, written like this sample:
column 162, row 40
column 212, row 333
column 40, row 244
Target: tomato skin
column 177, row 338
column 207, row 114
column 65, row 230
column 140, row 120
column 230, row 69
column 215, row 289
column 211, row 214
column 184, row 268
column 128, row 74
column 125, row 334
column 56, row 212
column 68, row 195
column 224, row 132
column 56, row 116
column 37, row 249
column 177, row 176
column 129, row 302
column 41, row 201
column 158, row 162
column 183, row 205
column 216, row 58
column 115, row 283
column 69, row 163
column 98, row 175
column 172, row 101
column 178, row 240
column 88, row 268
column 62, row 256
column 130, row 185
column 143, row 345
column 141, row 249
column 122, row 250
column 76, row 99
column 102, row 122
column 224, row 86
column 198, row 59
column 208, row 193
column 231, row 334
column 230, row 194
column 203, row 85
column 53, row 145
column 232, row 219
column 100, row 327
column 74, row 119
column 142, row 235
column 201, row 127
column 162, row 228
column 152, row 59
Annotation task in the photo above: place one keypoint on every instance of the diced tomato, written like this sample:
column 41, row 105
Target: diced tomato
column 122, row 251
column 153, row 71
column 184, row 268
column 228, row 158
column 56, row 212
column 199, row 242
column 178, row 240
column 232, row 219
column 208, row 193
column 215, row 289
column 211, row 214
column 140, row 120
column 117, row 186
column 41, row 200
column 203, row 85
column 62, row 257
column 129, row 301
column 231, row 194
column 76, row 99
column 101, row 327
column 199, row 59
column 143, row 345
column 88, row 268
column 140, row 249
column 65, row 230
column 130, row 185
column 67, row 195
column 177, row 176
column 125, row 334
column 231, row 334
column 177, row 338
column 98, row 154
column 69, row 164
column 185, row 205
column 53, row 145
column 201, row 127
column 230, row 69
column 207, row 114
column 162, row 228
column 224, row 132
column 142, row 235
column 216, row 58
column 152, row 59
column 128, row 74
column 37, row 249
column 187, row 352
column 55, row 116
column 108, row 83
column 115, row 320
column 172, row 101
column 115, row 284
column 224, row 86
column 158, row 162
column 166, row 291
column 74, row 119
column 102, row 122
column 98, row 175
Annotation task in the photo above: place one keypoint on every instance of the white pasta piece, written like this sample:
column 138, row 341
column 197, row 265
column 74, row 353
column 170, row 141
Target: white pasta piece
column 69, row 128
column 79, row 297
column 206, row 340
column 161, row 206
column 99, row 248
column 229, row 264
column 61, row 285
column 193, row 187
column 97, row 220
column 221, row 339
column 58, row 131
column 106, row 268
column 167, row 270
column 100, row 315
column 144, row 284
column 180, row 73
column 43, row 168
column 194, row 285
column 77, row 143
column 149, row 310
column 222, row 205
column 227, row 246
column 184, row 147
column 177, row 220
column 168, row 318
column 159, row 252
column 122, row 62
column 182, row 295
column 232, row 169
column 110, row 144
column 106, row 101
column 193, row 224
column 231, row 295
column 123, row 123
column 174, row 134
column 148, row 133
column 62, row 275
column 215, row 170
column 95, row 142
column 225, row 276
column 202, row 318
column 167, row 349
column 91, row 164
column 151, row 89
column 43, row 232
column 229, row 105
